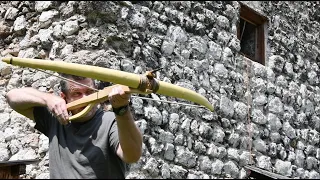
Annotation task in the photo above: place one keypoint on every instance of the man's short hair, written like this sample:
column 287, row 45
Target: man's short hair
column 64, row 85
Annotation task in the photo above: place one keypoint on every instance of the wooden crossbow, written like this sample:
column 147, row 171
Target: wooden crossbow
column 133, row 83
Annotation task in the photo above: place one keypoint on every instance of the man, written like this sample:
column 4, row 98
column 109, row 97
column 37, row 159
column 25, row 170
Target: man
column 95, row 146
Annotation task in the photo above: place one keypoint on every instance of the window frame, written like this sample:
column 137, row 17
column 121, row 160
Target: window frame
column 260, row 21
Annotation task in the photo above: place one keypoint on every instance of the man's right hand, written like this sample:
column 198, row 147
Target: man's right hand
column 23, row 101
column 58, row 107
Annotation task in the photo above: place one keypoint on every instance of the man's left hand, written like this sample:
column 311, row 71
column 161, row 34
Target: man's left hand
column 118, row 97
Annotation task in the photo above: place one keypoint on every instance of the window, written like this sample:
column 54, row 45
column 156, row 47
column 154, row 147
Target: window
column 251, row 33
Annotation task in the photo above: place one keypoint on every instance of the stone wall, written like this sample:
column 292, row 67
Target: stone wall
column 268, row 111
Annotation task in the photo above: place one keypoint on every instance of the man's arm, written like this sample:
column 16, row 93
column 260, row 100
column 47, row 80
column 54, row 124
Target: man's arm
column 23, row 101
column 130, row 137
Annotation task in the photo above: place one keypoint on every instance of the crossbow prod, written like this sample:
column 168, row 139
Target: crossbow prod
column 133, row 83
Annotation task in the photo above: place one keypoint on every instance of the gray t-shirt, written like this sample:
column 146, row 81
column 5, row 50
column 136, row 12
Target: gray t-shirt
column 82, row 150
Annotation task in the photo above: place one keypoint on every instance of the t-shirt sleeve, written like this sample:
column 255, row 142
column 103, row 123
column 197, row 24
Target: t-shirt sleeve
column 113, row 136
column 43, row 119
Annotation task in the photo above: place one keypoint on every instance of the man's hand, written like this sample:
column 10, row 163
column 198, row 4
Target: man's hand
column 118, row 97
column 58, row 107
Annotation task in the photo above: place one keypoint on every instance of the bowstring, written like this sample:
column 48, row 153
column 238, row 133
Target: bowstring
column 138, row 97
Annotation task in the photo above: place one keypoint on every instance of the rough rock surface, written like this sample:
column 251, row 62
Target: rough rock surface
column 196, row 43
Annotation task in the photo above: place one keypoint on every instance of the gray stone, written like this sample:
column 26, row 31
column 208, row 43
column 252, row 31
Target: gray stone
column 260, row 145
column 235, row 44
column 178, row 172
column 300, row 145
column 216, row 167
column 258, row 117
column 227, row 57
column 240, row 110
column 165, row 171
column 308, row 107
column 179, row 139
column 143, row 125
column 4, row 119
column 11, row 13
column 233, row 154
column 310, row 149
column 231, row 169
column 226, row 106
column 20, row 24
column 300, row 172
column 199, row 147
column 5, row 69
column 137, row 105
column 185, row 157
column 274, row 122
column 216, row 152
column 198, row 45
column 314, row 137
column 57, row 31
column 311, row 163
column 206, row 131
column 185, row 126
column 165, row 137
column 271, row 88
column 260, row 100
column 234, row 140
column 313, row 78
column 24, row 154
column 192, row 176
column 259, row 85
column 272, row 150
column 9, row 134
column 214, row 51
column 276, row 63
column 223, row 21
column 283, row 167
column 70, row 27
column 218, row 134
column 169, row 152
column 223, row 37
column 152, row 167
column 167, row 47
column 220, row 71
column 138, row 20
column 314, row 174
column 291, row 156
column 300, row 158
column 47, row 16
column 154, row 146
column 42, row 5
column 45, row 175
column 288, row 130
column 66, row 50
column 205, row 164
column 4, row 154
column 174, row 122
column 43, row 143
column 244, row 158
column 177, row 34
column 154, row 114
column 264, row 162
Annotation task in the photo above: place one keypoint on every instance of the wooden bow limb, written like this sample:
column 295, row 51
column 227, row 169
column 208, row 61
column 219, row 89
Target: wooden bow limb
column 83, row 112
column 95, row 98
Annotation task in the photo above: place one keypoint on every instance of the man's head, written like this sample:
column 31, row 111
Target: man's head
column 71, row 91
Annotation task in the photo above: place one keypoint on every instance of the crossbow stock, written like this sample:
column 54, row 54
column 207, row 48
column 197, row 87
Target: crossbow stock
column 133, row 83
